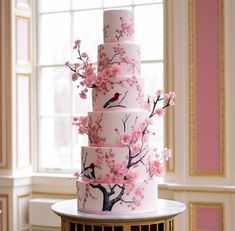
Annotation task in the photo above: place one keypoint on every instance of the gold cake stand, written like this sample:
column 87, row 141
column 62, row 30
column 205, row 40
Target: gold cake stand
column 160, row 220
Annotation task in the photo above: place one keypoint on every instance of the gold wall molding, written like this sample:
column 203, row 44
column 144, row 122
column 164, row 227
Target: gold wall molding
column 22, row 212
column 193, row 205
column 192, row 93
column 67, row 194
column 4, row 199
column 1, row 77
column 179, row 189
column 169, row 120
column 5, row 83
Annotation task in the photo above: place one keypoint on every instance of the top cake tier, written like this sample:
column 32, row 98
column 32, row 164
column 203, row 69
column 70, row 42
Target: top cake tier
column 118, row 26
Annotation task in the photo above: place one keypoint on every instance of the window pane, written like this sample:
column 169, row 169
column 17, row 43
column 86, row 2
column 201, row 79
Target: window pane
column 55, row 91
column 87, row 4
column 109, row 3
column 88, row 27
column 55, row 142
column 149, row 33
column 54, row 39
column 53, row 5
column 153, row 75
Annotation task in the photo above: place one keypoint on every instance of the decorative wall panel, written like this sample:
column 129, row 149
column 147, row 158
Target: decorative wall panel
column 4, row 218
column 22, row 3
column 23, row 212
column 22, row 40
column 23, row 120
column 206, row 93
column 199, row 219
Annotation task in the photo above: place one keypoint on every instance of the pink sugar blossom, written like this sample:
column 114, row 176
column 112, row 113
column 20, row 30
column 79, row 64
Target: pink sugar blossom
column 138, row 202
column 132, row 176
column 67, row 64
column 149, row 121
column 115, row 70
column 170, row 95
column 156, row 168
column 139, row 192
column 77, row 44
column 76, row 174
column 88, row 71
column 136, row 135
column 89, row 81
column 125, row 138
column 83, row 120
column 167, row 153
column 84, row 55
column 159, row 92
column 147, row 106
column 74, row 76
column 159, row 111
column 82, row 95
column 82, row 130
column 135, row 149
column 172, row 102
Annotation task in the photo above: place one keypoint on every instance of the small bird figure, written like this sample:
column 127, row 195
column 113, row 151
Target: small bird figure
column 89, row 171
column 112, row 101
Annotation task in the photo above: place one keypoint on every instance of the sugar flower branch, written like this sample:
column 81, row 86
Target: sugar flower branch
column 152, row 103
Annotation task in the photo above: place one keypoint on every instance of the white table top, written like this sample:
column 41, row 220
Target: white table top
column 165, row 209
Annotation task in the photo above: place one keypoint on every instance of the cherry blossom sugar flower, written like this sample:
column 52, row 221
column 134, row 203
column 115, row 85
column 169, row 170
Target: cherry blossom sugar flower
column 125, row 138
column 159, row 112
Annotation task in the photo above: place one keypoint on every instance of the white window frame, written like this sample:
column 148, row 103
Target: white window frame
column 38, row 67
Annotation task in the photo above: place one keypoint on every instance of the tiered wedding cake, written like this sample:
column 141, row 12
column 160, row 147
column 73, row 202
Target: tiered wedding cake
column 118, row 166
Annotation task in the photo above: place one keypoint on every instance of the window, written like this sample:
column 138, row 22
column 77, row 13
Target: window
column 60, row 23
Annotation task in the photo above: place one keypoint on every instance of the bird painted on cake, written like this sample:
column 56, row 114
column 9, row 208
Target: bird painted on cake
column 89, row 171
column 111, row 102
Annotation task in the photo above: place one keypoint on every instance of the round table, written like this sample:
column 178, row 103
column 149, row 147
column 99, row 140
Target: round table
column 162, row 219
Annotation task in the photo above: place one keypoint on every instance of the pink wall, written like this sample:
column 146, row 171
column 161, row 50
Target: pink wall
column 207, row 76
column 208, row 219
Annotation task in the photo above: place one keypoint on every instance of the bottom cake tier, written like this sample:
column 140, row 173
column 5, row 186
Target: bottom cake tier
column 117, row 198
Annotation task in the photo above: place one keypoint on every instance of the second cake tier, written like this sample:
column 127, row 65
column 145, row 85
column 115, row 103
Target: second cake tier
column 116, row 163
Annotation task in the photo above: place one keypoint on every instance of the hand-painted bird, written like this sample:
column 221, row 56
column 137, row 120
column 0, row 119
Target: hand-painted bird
column 112, row 101
column 89, row 171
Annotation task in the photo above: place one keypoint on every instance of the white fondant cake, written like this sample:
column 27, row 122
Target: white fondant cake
column 118, row 26
column 117, row 167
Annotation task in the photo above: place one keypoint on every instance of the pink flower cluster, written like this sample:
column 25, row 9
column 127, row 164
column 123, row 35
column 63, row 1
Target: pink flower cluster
column 166, row 100
column 138, row 136
column 156, row 165
column 85, row 72
column 91, row 128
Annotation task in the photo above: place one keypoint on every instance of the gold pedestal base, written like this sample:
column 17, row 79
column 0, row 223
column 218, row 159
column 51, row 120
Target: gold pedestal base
column 161, row 219
column 122, row 225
